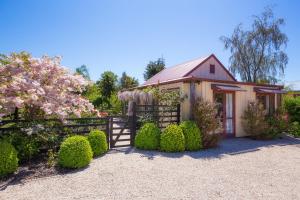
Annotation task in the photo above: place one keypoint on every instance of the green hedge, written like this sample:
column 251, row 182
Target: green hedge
column 148, row 137
column 98, row 142
column 26, row 146
column 292, row 106
column 192, row 135
column 172, row 139
column 295, row 129
column 75, row 152
column 8, row 158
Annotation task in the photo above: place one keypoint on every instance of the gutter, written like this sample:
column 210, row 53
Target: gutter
column 194, row 79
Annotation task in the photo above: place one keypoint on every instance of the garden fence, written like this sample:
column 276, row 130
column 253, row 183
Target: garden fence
column 120, row 129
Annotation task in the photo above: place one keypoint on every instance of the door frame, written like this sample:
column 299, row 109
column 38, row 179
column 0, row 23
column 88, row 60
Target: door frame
column 223, row 92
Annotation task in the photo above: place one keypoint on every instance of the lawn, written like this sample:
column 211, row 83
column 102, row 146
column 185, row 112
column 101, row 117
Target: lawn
column 238, row 169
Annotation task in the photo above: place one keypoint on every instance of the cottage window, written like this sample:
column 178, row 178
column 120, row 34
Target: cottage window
column 212, row 69
column 268, row 102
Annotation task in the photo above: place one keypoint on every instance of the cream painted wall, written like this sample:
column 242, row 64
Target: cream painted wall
column 203, row 89
column 185, row 105
column 204, row 71
column 242, row 98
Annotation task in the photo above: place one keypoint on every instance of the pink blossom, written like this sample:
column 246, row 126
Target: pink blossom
column 18, row 102
column 43, row 83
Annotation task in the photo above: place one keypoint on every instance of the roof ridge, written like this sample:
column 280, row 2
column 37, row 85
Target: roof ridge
column 203, row 57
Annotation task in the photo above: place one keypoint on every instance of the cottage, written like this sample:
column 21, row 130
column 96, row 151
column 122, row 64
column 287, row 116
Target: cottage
column 209, row 79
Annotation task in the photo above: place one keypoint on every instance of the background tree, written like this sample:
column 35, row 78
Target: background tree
column 126, row 81
column 83, row 71
column 107, row 86
column 257, row 55
column 154, row 67
column 92, row 93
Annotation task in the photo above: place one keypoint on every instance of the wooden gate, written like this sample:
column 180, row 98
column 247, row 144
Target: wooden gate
column 122, row 128
column 122, row 131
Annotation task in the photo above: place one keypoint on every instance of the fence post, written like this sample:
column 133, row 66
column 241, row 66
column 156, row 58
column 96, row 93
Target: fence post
column 16, row 114
column 111, row 131
column 133, row 124
column 108, row 133
column 178, row 114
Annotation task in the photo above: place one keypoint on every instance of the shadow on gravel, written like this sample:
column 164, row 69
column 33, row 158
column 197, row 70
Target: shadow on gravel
column 37, row 170
column 231, row 146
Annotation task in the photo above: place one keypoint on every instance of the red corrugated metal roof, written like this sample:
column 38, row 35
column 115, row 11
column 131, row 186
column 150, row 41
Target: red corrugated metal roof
column 226, row 87
column 269, row 91
column 175, row 72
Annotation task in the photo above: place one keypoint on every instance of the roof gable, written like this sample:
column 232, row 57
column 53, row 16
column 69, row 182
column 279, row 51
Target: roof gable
column 191, row 68
column 203, row 70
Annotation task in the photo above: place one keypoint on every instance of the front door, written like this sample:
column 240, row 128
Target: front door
column 225, row 112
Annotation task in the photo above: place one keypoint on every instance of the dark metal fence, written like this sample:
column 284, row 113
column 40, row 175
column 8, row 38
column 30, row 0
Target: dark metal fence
column 120, row 130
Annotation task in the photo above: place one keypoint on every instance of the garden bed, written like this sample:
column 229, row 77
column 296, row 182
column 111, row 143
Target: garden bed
column 38, row 168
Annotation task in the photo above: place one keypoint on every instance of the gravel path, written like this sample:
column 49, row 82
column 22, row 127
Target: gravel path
column 238, row 169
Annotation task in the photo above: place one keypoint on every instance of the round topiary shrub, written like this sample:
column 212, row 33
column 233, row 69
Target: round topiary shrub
column 8, row 158
column 148, row 137
column 98, row 142
column 192, row 135
column 172, row 139
column 75, row 152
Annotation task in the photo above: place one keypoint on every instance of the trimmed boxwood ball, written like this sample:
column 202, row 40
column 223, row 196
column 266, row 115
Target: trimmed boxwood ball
column 8, row 159
column 98, row 142
column 148, row 137
column 75, row 152
column 172, row 139
column 192, row 135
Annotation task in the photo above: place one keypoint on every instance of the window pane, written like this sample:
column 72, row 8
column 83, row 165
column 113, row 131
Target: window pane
column 229, row 105
column 212, row 69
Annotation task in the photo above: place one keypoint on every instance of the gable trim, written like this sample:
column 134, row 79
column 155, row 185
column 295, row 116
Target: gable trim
column 218, row 61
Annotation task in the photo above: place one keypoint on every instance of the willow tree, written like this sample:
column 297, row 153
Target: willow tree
column 258, row 54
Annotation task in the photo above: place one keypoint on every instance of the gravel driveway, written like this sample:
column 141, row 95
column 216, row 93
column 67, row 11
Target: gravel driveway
column 238, row 169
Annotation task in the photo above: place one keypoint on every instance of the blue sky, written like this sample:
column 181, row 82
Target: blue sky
column 125, row 35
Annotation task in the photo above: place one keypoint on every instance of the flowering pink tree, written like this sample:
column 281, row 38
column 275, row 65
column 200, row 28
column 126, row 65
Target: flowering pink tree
column 40, row 87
